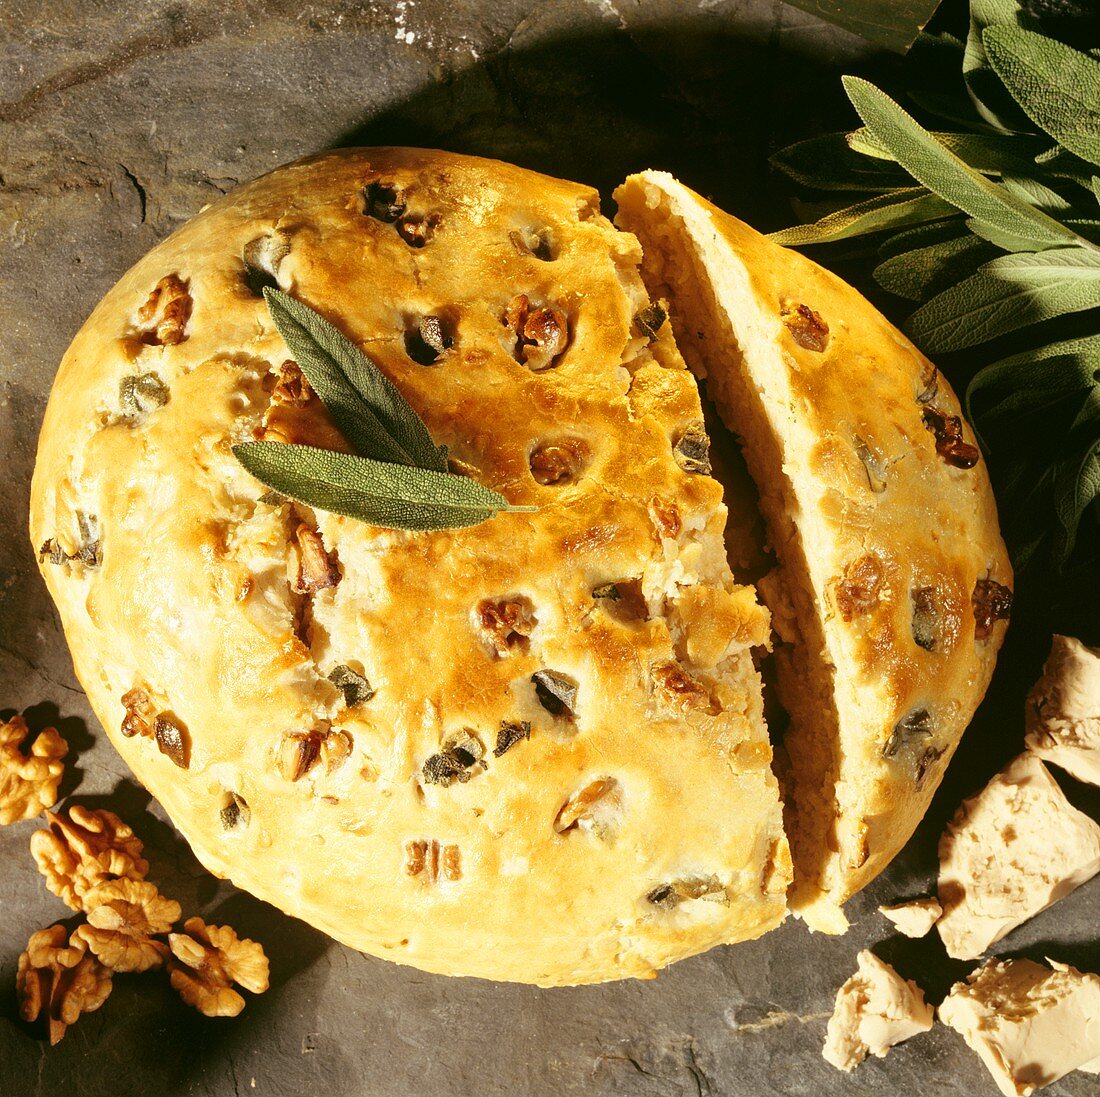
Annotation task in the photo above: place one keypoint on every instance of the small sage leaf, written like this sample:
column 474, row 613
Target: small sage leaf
column 989, row 153
column 387, row 495
column 910, row 206
column 830, row 162
column 923, row 272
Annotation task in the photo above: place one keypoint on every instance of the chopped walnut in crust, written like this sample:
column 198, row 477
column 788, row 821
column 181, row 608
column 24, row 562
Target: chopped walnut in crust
column 506, row 624
column 430, row 859
column 540, row 334
column 950, row 444
column 590, row 808
column 992, row 602
column 57, row 981
column 87, row 848
column 678, row 691
column 123, row 916
column 28, row 781
column 806, row 326
column 859, row 587
column 316, row 570
column 289, row 388
column 208, row 960
column 162, row 320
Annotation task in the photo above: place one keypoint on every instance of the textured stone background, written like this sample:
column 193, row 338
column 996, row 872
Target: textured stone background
column 118, row 120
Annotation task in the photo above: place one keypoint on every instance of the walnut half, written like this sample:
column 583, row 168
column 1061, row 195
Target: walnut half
column 123, row 916
column 57, row 981
column 28, row 782
column 86, row 848
column 208, row 960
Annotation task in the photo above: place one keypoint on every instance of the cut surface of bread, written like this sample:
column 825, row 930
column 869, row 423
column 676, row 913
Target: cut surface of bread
column 530, row 750
column 893, row 583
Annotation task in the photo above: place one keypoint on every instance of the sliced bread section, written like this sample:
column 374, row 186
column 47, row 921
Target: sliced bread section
column 893, row 583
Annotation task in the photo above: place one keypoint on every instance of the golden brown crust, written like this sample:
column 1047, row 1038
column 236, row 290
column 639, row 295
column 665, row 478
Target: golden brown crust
column 878, row 505
column 173, row 580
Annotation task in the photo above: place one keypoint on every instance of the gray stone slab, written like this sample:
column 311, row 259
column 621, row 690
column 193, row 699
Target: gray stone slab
column 119, row 119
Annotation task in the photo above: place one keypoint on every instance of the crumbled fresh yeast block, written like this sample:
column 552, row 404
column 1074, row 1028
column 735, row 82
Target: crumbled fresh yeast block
column 1011, row 851
column 1063, row 710
column 1031, row 1025
column 915, row 918
column 875, row 1009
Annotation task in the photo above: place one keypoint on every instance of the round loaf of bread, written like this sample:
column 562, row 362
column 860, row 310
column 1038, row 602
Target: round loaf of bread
column 532, row 749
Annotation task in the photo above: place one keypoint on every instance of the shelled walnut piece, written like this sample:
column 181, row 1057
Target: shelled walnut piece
column 208, row 961
column 83, row 849
column 58, row 981
column 92, row 860
column 28, row 781
column 123, row 918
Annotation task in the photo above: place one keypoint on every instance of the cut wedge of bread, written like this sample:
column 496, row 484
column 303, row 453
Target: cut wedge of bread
column 893, row 582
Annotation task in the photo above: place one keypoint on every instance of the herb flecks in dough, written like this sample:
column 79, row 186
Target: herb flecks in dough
column 173, row 739
column 511, row 732
column 650, row 320
column 426, row 343
column 236, row 814
column 911, row 728
column 692, row 449
column 669, row 896
column 140, row 395
column 28, row 779
column 926, row 617
column 556, row 692
column 354, row 686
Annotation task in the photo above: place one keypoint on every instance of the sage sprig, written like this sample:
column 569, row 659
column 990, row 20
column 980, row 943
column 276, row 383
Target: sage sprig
column 398, row 477
column 991, row 228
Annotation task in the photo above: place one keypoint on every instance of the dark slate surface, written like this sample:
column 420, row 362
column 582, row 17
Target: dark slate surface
column 119, row 119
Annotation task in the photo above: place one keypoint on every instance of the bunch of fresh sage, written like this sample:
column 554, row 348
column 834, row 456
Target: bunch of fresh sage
column 991, row 224
column 398, row 476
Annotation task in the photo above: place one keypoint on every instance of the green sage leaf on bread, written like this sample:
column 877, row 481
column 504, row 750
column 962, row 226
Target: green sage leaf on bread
column 383, row 494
